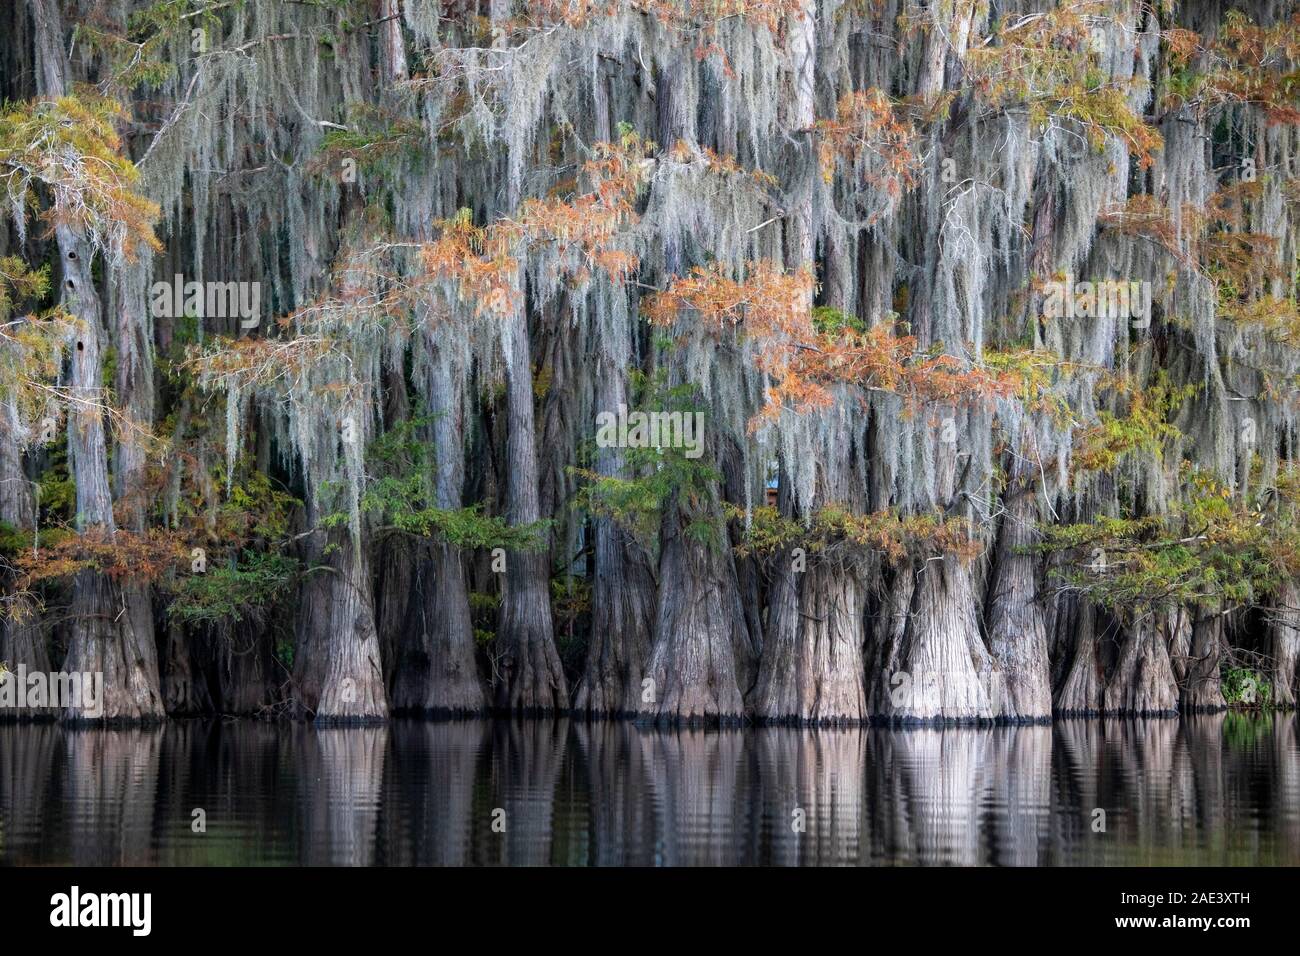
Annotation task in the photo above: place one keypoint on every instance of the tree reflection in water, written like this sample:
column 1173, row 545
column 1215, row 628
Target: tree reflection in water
column 1221, row 789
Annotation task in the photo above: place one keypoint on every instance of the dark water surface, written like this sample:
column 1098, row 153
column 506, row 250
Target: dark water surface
column 1210, row 790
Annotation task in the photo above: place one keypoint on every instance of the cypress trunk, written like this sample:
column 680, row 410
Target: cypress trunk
column 1200, row 691
column 337, row 674
column 939, row 670
column 1284, row 644
column 1142, row 684
column 699, row 628
column 111, row 628
column 184, row 690
column 22, row 639
column 436, row 671
column 622, row 595
column 1017, row 633
column 1080, row 693
column 529, row 677
column 811, row 667
column 247, row 673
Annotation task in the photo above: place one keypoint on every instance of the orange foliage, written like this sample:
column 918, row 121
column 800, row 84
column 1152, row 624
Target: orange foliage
column 481, row 259
column 869, row 122
column 143, row 558
column 771, row 308
column 1246, row 63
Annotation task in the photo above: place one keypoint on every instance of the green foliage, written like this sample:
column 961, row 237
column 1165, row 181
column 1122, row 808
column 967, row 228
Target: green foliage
column 254, row 508
column 1243, row 687
column 18, row 280
column 56, row 491
column 13, row 540
column 571, row 608
column 829, row 321
column 1144, row 426
column 399, row 495
column 233, row 592
column 30, row 348
column 834, row 531
column 661, row 475
column 372, row 140
column 1209, row 550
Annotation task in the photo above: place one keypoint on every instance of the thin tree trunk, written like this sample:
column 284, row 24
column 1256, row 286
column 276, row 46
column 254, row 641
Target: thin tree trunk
column 109, row 632
column 22, row 638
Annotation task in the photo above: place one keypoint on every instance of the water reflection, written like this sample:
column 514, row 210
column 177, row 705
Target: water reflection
column 1210, row 790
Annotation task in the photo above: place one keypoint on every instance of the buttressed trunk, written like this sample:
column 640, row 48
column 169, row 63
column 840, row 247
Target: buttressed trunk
column 184, row 689
column 1142, row 684
column 436, row 671
column 109, row 633
column 337, row 674
column 1284, row 644
column 529, row 677
column 811, row 667
column 701, row 645
column 939, row 670
column 1200, row 691
column 247, row 673
column 622, row 596
column 1017, row 632
column 1081, row 688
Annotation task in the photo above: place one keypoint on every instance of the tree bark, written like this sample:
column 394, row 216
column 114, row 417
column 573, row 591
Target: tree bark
column 529, row 678
column 247, row 673
column 22, row 638
column 436, row 672
column 1200, row 692
column 811, row 667
column 1142, row 684
column 622, row 596
column 1017, row 633
column 1080, row 693
column 1284, row 644
column 110, row 632
column 699, row 629
column 940, row 671
column 184, row 690
column 623, row 608
column 337, row 674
